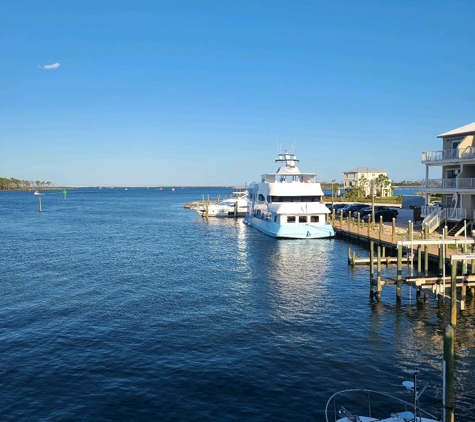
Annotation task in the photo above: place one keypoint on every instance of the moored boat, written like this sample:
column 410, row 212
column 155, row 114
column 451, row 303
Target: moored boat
column 403, row 411
column 234, row 206
column 288, row 203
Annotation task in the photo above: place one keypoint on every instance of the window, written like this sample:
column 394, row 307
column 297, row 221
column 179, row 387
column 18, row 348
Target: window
column 302, row 218
column 290, row 219
column 314, row 218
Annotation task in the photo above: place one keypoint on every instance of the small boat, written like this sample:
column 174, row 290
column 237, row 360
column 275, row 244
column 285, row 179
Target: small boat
column 288, row 203
column 37, row 192
column 403, row 411
column 234, row 206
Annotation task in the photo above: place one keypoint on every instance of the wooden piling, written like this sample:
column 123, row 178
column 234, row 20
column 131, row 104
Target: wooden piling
column 393, row 233
column 419, row 263
column 378, row 275
column 426, row 251
column 371, row 267
column 453, row 296
column 39, row 205
column 448, row 401
column 380, row 228
column 399, row 273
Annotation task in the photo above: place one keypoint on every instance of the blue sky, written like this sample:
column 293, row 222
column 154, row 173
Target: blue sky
column 147, row 93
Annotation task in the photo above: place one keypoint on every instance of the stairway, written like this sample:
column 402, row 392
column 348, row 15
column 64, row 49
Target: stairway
column 459, row 227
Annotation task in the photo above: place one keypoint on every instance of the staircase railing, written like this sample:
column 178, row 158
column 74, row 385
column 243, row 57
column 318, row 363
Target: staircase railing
column 435, row 218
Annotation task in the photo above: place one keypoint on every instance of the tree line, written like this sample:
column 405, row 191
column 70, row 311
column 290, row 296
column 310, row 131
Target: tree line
column 17, row 184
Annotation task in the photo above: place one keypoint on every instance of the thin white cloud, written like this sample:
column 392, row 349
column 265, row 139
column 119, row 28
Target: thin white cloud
column 50, row 66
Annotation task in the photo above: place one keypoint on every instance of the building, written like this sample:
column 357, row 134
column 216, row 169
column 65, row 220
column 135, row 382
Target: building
column 369, row 180
column 454, row 165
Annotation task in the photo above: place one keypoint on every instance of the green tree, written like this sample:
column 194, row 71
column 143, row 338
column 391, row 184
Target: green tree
column 382, row 183
column 363, row 183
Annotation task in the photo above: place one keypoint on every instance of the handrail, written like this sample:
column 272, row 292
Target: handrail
column 449, row 154
column 435, row 218
column 438, row 215
column 455, row 183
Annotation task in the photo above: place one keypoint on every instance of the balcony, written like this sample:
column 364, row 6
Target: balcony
column 448, row 156
column 449, row 184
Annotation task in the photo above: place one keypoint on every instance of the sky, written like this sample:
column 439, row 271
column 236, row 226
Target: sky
column 164, row 93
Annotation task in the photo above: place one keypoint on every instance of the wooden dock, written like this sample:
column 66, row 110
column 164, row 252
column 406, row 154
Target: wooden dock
column 422, row 254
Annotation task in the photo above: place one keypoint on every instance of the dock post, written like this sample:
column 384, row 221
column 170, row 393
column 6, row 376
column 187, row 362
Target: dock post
column 464, row 262
column 426, row 251
column 393, row 233
column 378, row 275
column 39, row 205
column 358, row 230
column 446, row 252
column 448, row 401
column 236, row 209
column 371, row 267
column 419, row 263
column 453, row 296
column 399, row 272
column 368, row 228
column 380, row 228
column 441, row 253
column 349, row 256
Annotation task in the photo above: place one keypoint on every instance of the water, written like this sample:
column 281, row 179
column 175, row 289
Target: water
column 124, row 306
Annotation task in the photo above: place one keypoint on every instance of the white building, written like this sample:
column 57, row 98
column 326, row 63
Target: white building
column 366, row 179
column 454, row 165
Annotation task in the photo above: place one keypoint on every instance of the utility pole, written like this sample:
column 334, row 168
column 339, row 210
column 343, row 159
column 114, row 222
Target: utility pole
column 333, row 192
column 372, row 200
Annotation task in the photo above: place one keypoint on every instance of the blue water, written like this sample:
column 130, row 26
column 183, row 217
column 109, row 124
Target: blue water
column 124, row 306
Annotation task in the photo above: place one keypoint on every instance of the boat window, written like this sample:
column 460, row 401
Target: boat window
column 275, row 218
column 302, row 218
column 269, row 199
column 290, row 219
column 314, row 218
column 258, row 213
column 275, row 199
column 261, row 197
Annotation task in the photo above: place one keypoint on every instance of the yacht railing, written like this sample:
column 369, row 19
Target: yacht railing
column 449, row 154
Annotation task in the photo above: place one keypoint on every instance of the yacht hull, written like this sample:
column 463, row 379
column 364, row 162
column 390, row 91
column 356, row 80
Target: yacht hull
column 298, row 231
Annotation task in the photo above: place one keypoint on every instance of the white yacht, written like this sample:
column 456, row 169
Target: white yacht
column 408, row 411
column 288, row 203
column 237, row 202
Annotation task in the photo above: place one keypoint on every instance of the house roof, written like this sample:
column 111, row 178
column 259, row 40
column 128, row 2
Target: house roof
column 470, row 128
column 364, row 170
